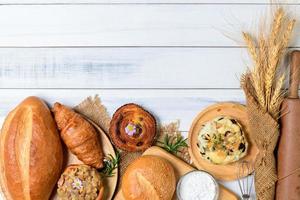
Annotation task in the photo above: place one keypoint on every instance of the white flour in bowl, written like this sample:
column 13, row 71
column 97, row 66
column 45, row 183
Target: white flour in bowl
column 197, row 185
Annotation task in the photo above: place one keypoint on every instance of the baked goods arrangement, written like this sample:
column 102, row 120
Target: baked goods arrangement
column 61, row 153
column 64, row 155
column 36, row 165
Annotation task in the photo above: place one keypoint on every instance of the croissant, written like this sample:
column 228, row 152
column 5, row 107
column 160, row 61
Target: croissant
column 79, row 136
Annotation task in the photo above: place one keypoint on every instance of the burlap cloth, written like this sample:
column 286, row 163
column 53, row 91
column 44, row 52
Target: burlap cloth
column 93, row 109
column 266, row 132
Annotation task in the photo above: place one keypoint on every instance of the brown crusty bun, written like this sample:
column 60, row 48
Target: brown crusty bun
column 80, row 182
column 149, row 177
column 31, row 152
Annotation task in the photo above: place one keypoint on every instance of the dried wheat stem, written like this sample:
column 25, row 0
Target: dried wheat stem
column 271, row 71
column 277, row 96
column 273, row 53
column 258, row 89
column 263, row 51
column 274, row 58
column 287, row 34
column 262, row 83
column 261, row 69
column 276, row 26
column 251, row 46
column 256, row 75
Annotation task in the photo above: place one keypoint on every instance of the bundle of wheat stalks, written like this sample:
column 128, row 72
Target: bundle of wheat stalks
column 265, row 80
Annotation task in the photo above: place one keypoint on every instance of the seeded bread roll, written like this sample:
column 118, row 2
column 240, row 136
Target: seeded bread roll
column 222, row 141
column 149, row 177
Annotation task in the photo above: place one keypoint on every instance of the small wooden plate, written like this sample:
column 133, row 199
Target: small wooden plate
column 109, row 182
column 221, row 172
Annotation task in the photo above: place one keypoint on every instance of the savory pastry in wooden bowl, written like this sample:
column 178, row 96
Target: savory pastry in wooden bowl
column 79, row 135
column 80, row 182
column 149, row 177
column 30, row 151
column 222, row 141
column 132, row 128
column 220, row 138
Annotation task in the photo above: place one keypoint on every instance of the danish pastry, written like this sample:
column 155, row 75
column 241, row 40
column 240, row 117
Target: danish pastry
column 132, row 128
column 222, row 141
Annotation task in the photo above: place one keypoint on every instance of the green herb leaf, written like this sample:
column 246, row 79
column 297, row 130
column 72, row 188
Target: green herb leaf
column 110, row 164
column 173, row 144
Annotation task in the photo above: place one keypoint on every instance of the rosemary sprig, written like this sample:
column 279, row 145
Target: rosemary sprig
column 110, row 164
column 173, row 144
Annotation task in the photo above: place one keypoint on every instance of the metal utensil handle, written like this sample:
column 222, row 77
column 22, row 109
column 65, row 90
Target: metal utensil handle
column 294, row 74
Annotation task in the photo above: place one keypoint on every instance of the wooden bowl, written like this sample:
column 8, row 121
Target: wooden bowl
column 221, row 172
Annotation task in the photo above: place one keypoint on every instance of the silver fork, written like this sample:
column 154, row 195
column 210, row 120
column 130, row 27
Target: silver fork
column 245, row 183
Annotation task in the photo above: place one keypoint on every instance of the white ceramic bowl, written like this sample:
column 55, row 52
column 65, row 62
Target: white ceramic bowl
column 183, row 180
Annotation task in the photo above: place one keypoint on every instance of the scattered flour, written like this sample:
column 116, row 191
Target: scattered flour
column 197, row 185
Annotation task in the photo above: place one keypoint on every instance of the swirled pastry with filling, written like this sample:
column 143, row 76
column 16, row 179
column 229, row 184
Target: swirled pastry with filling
column 132, row 128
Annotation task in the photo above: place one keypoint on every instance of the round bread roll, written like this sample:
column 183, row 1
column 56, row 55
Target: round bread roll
column 149, row 177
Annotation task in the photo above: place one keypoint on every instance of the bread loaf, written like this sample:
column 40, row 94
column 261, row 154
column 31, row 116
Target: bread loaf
column 149, row 178
column 31, row 152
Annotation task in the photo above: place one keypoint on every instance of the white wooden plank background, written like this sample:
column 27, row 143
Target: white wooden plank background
column 166, row 105
column 9, row 2
column 211, row 25
column 121, row 67
column 174, row 57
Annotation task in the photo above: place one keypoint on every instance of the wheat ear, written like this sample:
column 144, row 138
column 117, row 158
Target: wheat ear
column 256, row 76
column 287, row 34
column 271, row 70
column 276, row 26
column 263, row 53
column 277, row 96
column 251, row 47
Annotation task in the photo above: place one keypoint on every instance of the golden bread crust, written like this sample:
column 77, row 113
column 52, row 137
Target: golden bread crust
column 149, row 177
column 31, row 151
column 79, row 135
